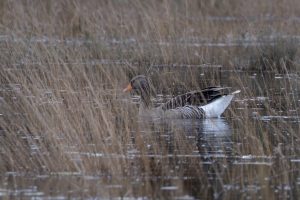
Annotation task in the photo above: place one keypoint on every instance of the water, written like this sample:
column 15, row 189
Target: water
column 252, row 152
column 212, row 144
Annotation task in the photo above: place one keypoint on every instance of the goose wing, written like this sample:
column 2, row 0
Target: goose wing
column 196, row 98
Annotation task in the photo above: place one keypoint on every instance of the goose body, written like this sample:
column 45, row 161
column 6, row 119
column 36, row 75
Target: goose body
column 210, row 102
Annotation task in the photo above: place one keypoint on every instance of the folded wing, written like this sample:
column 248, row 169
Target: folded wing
column 196, row 98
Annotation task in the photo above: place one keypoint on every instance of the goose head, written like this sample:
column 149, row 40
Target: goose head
column 140, row 85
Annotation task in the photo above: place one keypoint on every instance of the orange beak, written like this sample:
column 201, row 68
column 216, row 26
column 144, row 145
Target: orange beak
column 128, row 88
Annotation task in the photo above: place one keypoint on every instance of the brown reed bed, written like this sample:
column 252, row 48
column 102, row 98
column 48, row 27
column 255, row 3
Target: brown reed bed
column 64, row 65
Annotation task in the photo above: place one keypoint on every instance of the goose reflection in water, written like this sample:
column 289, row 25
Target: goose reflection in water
column 215, row 148
column 214, row 139
column 203, row 144
column 213, row 135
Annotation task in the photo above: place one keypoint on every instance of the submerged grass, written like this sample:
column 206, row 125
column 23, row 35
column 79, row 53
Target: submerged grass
column 63, row 68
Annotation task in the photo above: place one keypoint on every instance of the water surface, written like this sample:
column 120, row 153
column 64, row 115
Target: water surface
column 251, row 152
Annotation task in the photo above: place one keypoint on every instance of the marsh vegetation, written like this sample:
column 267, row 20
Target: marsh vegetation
column 68, row 131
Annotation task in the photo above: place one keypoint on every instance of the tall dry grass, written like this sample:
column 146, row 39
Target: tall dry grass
column 64, row 65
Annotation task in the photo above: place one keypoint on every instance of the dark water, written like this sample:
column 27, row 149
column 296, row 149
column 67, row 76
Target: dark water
column 210, row 144
column 234, row 160
column 252, row 152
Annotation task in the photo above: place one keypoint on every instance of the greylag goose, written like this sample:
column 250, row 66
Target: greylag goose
column 210, row 102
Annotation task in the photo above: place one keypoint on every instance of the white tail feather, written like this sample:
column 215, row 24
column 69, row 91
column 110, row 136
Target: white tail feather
column 218, row 106
column 236, row 92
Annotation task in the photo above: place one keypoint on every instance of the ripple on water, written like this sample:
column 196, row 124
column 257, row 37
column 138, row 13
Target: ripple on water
column 276, row 117
column 27, row 192
column 169, row 188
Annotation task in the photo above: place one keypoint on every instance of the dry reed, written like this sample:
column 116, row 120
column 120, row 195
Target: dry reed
column 64, row 65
